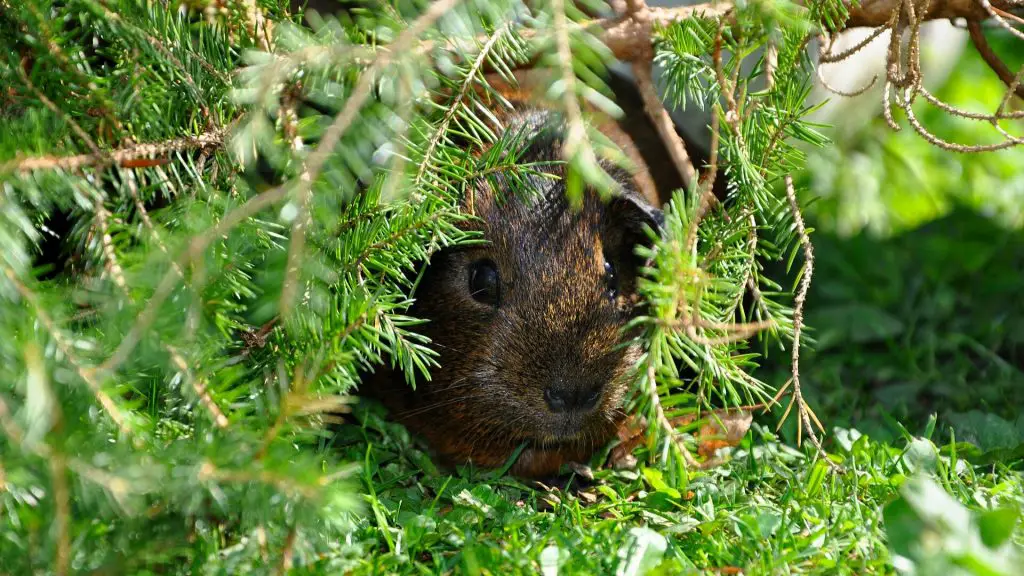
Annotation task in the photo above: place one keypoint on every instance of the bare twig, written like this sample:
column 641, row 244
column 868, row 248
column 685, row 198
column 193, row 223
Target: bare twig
column 990, row 58
column 999, row 20
column 1001, row 111
column 286, row 551
column 803, row 410
column 655, row 110
column 828, row 57
column 950, row 109
column 62, row 512
column 1009, row 141
column 211, row 139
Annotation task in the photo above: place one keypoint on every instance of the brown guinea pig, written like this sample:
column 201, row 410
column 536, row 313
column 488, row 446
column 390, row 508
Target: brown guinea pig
column 529, row 325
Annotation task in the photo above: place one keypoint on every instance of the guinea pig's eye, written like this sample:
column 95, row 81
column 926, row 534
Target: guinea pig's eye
column 485, row 282
column 611, row 280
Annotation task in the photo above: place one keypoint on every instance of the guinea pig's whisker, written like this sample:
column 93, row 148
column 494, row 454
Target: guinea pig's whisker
column 434, row 406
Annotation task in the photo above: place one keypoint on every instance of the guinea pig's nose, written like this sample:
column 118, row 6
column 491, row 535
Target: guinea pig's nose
column 566, row 398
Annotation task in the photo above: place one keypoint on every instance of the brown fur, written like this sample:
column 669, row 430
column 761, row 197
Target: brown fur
column 556, row 322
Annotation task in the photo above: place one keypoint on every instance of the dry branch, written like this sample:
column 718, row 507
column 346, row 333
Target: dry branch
column 629, row 38
column 206, row 140
column 990, row 58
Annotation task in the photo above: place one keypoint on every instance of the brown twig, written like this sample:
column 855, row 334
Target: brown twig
column 286, row 551
column 655, row 110
column 990, row 57
column 62, row 512
column 803, row 410
column 211, row 139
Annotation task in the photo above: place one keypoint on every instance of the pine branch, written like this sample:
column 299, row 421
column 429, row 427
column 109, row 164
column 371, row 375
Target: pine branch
column 121, row 157
column 360, row 94
column 85, row 372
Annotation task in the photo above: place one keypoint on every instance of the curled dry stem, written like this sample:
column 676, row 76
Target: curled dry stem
column 803, row 410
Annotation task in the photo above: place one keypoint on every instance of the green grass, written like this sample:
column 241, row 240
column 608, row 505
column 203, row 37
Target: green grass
column 770, row 510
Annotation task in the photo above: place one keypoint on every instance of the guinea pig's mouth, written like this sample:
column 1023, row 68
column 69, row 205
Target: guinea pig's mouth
column 569, row 429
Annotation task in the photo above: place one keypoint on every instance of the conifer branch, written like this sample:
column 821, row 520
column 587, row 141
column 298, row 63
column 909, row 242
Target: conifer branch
column 207, row 140
column 117, row 273
column 453, row 107
column 195, row 249
column 75, row 127
column 360, row 94
column 666, row 426
column 84, row 372
column 156, row 43
column 574, row 115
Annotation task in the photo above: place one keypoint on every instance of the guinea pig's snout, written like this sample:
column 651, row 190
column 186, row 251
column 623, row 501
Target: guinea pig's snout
column 567, row 397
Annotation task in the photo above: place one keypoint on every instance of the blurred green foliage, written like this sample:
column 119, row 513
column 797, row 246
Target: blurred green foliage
column 915, row 305
column 889, row 182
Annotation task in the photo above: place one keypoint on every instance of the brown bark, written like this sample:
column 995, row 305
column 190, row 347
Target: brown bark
column 629, row 38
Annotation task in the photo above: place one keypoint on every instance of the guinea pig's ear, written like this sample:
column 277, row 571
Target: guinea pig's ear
column 624, row 229
column 632, row 212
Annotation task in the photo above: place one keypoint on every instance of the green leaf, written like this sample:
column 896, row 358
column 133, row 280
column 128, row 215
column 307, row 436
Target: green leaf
column 642, row 553
column 997, row 525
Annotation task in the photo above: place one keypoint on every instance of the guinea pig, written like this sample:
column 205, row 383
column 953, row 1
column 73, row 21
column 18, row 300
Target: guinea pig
column 530, row 324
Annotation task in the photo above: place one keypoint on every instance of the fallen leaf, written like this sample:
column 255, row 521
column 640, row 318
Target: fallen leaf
column 718, row 429
column 631, row 435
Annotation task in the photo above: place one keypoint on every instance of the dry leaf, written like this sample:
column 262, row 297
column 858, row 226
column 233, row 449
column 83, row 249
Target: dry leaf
column 631, row 435
column 719, row 428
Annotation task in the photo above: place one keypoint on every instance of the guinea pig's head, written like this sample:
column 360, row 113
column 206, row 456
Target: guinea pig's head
column 530, row 323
